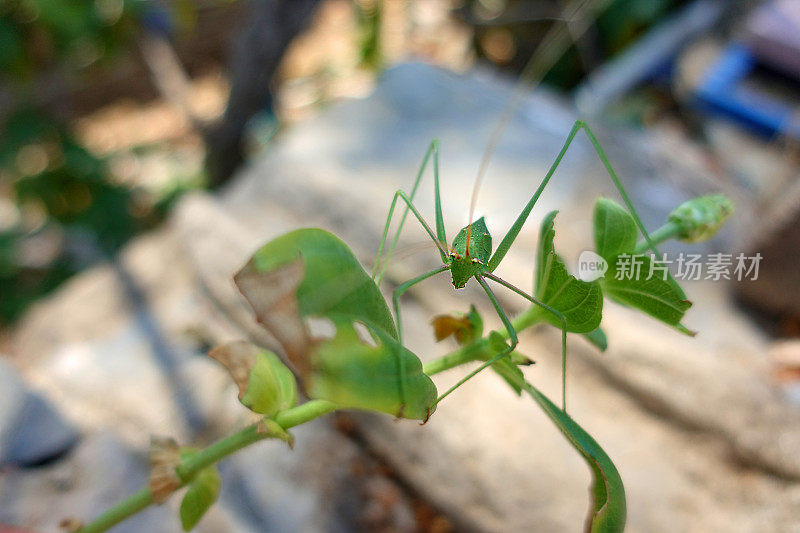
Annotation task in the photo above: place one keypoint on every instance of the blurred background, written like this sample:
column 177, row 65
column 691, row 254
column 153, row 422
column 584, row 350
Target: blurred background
column 149, row 146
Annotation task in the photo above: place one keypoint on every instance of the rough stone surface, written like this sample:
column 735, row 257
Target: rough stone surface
column 32, row 431
column 100, row 472
column 703, row 437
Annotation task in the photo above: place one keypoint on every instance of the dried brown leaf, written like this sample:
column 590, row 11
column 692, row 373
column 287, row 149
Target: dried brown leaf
column 164, row 459
column 446, row 325
column 273, row 297
column 238, row 357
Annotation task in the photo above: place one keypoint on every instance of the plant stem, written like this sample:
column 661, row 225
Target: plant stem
column 465, row 354
column 210, row 455
column 664, row 233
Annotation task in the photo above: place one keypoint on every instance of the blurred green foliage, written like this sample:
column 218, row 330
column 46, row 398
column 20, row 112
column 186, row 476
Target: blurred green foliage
column 59, row 208
column 508, row 31
column 69, row 34
column 369, row 15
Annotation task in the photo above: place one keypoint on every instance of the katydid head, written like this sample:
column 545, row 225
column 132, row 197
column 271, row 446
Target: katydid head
column 470, row 254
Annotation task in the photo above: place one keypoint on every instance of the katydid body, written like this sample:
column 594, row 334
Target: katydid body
column 470, row 255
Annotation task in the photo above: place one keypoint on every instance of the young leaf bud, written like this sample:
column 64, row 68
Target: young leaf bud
column 701, row 217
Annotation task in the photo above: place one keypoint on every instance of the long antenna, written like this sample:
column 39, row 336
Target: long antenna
column 578, row 16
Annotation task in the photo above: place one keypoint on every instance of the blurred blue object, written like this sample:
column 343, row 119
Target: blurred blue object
column 725, row 91
column 650, row 57
column 156, row 18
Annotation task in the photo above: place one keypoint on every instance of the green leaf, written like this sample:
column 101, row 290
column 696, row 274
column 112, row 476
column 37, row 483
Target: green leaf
column 200, row 496
column 580, row 302
column 614, row 229
column 660, row 298
column 608, row 510
column 353, row 374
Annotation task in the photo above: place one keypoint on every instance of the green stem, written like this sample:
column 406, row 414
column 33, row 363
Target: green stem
column 128, row 507
column 664, row 233
column 465, row 354
column 210, row 455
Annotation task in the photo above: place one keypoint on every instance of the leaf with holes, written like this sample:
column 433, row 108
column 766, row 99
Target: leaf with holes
column 310, row 273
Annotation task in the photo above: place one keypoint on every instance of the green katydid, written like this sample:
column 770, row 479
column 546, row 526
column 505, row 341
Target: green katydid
column 470, row 255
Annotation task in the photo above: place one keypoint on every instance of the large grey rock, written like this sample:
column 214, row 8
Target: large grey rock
column 326, row 483
column 32, row 431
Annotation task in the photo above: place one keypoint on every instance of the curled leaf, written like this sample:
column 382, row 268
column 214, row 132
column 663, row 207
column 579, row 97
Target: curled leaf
column 608, row 511
column 164, row 459
column 266, row 385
